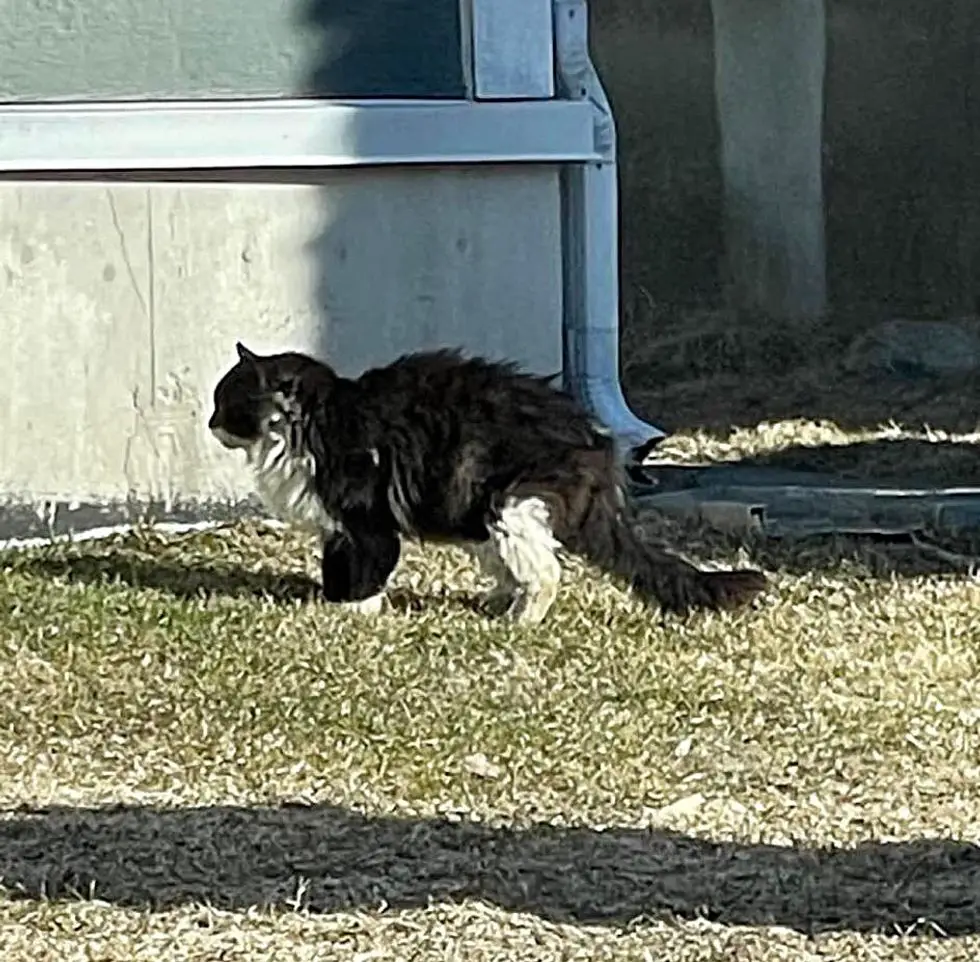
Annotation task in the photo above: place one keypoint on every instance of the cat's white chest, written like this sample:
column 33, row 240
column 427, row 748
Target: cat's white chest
column 285, row 483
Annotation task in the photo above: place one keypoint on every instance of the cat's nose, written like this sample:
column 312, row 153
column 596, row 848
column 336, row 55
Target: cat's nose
column 213, row 421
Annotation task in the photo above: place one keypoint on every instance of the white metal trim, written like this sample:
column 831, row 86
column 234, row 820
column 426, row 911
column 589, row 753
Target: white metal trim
column 512, row 49
column 290, row 133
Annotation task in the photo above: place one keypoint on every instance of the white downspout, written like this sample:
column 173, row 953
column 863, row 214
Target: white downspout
column 591, row 244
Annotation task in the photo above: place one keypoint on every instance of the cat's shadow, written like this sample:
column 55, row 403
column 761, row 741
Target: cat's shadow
column 221, row 579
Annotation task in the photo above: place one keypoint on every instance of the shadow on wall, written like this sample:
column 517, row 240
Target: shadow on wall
column 657, row 65
column 411, row 258
column 382, row 289
column 902, row 127
column 235, row 858
column 414, row 257
column 363, row 53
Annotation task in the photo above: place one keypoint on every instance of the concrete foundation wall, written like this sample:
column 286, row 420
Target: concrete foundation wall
column 901, row 135
column 122, row 302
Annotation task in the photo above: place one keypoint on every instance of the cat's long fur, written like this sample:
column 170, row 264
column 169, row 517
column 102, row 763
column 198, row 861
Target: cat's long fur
column 445, row 448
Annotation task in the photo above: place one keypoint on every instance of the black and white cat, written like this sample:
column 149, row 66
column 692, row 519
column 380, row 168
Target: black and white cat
column 439, row 447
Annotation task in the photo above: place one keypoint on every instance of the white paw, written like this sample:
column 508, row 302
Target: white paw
column 367, row 606
column 531, row 607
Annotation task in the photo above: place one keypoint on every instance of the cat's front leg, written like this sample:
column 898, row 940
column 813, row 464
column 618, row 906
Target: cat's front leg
column 356, row 566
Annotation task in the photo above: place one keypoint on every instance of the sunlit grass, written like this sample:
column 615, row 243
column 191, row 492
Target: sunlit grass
column 298, row 782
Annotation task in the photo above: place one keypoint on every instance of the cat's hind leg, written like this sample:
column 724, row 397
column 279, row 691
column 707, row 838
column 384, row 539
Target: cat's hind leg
column 501, row 596
column 525, row 546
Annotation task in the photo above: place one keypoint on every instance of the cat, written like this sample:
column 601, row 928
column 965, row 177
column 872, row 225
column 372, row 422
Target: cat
column 441, row 447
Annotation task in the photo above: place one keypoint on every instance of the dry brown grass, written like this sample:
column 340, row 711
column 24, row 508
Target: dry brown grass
column 773, row 388
column 199, row 762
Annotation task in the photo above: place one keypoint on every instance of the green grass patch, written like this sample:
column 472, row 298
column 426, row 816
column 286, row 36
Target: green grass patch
column 199, row 760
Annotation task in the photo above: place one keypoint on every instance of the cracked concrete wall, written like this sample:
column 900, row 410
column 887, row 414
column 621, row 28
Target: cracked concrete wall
column 121, row 304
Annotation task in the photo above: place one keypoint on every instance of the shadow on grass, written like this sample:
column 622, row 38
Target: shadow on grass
column 327, row 859
column 870, row 557
column 184, row 581
column 710, row 370
column 877, row 537
column 190, row 581
column 910, row 461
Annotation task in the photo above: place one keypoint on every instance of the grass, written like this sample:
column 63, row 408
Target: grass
column 711, row 372
column 199, row 761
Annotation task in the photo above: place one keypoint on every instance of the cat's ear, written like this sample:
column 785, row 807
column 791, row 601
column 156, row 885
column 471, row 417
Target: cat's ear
column 244, row 354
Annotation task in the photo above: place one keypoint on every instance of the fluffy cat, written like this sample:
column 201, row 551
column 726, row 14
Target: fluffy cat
column 440, row 447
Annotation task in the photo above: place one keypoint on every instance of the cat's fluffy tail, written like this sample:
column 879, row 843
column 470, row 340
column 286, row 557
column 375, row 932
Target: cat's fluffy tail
column 606, row 539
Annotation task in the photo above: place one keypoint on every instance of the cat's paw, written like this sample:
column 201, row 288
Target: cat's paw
column 366, row 606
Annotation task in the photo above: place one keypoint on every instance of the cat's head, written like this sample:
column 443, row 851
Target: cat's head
column 260, row 395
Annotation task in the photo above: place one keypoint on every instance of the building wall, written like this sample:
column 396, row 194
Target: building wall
column 122, row 302
column 176, row 49
column 902, row 130
column 122, row 295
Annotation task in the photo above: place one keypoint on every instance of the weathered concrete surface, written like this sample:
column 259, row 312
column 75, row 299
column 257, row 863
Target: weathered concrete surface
column 122, row 304
column 901, row 129
column 770, row 57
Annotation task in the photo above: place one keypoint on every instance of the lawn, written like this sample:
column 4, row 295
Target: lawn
column 199, row 761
